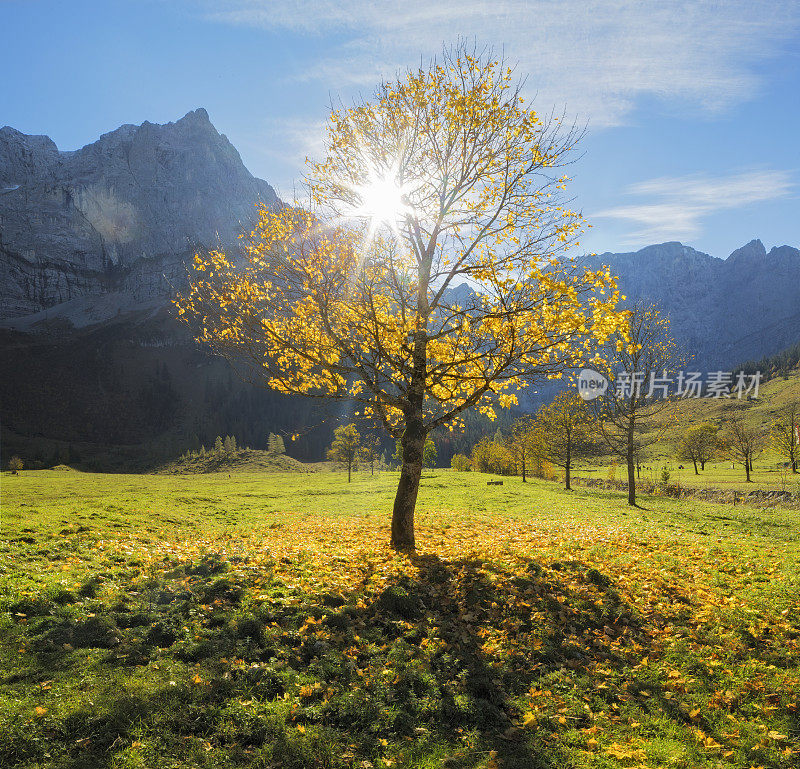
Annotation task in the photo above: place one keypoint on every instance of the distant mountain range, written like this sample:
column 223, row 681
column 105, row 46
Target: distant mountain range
column 724, row 311
column 93, row 242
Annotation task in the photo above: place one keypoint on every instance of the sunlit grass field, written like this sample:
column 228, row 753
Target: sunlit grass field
column 717, row 475
column 261, row 620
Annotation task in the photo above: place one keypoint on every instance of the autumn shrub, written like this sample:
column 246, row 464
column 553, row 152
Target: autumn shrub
column 544, row 469
column 461, row 462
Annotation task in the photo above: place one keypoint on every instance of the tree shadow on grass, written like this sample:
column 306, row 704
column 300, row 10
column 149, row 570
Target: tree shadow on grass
column 440, row 659
column 458, row 601
column 444, row 693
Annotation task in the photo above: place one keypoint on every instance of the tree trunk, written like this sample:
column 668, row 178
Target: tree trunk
column 413, row 441
column 566, row 471
column 413, row 445
column 349, row 467
column 702, row 464
column 747, row 469
column 631, row 467
column 523, row 468
column 696, row 472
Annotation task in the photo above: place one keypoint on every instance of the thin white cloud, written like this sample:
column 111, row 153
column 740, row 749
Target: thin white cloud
column 298, row 138
column 594, row 57
column 681, row 203
column 285, row 142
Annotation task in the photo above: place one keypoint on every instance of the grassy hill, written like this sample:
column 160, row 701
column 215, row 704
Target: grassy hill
column 260, row 620
column 241, row 460
column 759, row 412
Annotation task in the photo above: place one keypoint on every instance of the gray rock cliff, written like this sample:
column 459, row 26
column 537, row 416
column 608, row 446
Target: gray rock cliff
column 724, row 311
column 121, row 214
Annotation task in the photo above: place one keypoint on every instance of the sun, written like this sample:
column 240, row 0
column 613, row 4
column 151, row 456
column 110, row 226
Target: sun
column 382, row 200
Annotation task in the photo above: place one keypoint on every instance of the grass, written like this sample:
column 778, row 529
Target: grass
column 717, row 475
column 261, row 621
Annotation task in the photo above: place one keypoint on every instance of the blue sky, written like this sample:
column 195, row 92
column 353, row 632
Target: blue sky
column 693, row 108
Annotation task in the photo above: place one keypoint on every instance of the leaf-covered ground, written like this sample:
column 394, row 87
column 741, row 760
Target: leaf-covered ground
column 153, row 621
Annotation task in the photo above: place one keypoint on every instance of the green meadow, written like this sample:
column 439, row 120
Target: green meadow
column 260, row 620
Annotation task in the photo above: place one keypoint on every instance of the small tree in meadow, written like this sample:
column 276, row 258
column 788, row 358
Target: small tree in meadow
column 521, row 443
column 346, row 448
column 429, row 453
column 567, row 431
column 699, row 444
column 15, row 464
column 634, row 410
column 370, row 451
column 742, row 442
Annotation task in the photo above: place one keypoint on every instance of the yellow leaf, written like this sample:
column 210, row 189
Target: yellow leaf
column 529, row 720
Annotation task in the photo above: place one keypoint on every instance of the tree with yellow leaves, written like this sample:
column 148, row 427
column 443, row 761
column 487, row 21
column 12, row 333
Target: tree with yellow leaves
column 639, row 366
column 346, row 448
column 492, row 455
column 523, row 444
column 446, row 177
column 567, row 431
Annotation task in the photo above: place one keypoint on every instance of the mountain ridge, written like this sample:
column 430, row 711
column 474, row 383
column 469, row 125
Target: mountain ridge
column 118, row 219
column 725, row 311
column 122, row 213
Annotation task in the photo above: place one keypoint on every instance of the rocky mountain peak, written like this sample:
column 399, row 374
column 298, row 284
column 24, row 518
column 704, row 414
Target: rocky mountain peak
column 197, row 116
column 22, row 155
column 754, row 250
column 120, row 214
